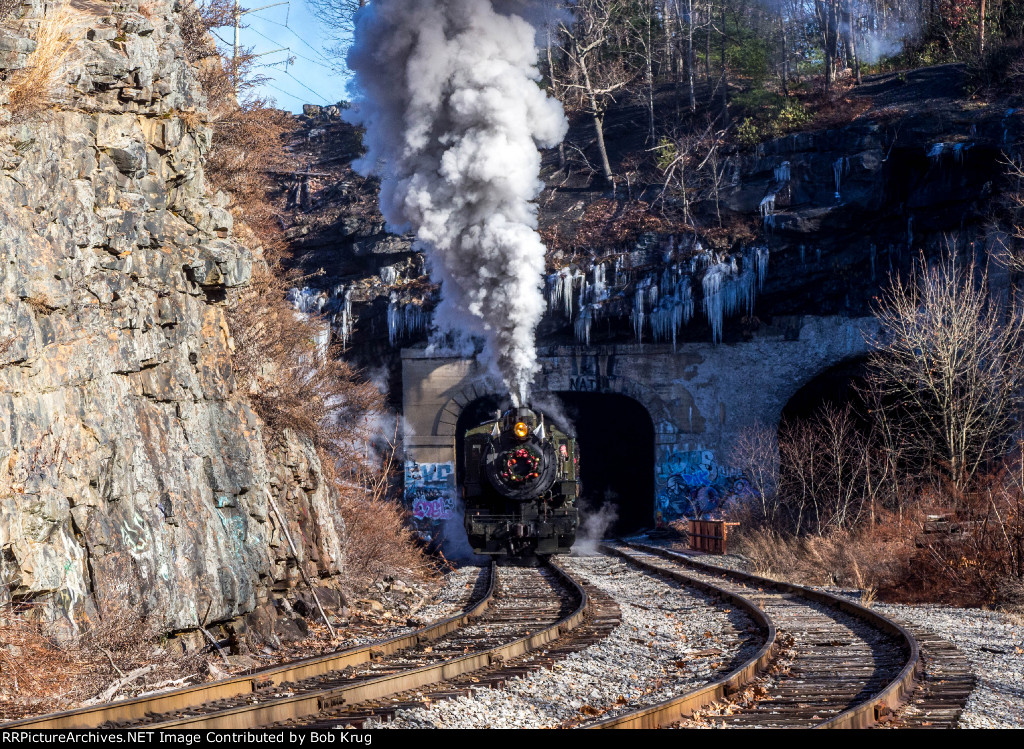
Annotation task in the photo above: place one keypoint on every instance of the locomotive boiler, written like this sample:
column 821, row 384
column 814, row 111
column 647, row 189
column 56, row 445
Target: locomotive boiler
column 521, row 485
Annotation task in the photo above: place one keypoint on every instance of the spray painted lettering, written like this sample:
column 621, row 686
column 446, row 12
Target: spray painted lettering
column 694, row 485
column 430, row 490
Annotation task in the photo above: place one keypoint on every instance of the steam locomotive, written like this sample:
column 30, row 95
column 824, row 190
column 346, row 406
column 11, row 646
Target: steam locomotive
column 521, row 485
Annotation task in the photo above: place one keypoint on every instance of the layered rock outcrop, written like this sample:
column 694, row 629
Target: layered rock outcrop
column 131, row 470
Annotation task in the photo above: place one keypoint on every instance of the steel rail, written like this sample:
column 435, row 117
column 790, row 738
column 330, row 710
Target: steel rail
column 672, row 710
column 133, row 710
column 867, row 712
column 306, row 705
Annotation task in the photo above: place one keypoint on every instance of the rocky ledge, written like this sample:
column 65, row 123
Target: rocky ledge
column 131, row 471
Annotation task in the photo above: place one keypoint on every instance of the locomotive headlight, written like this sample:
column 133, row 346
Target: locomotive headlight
column 521, row 430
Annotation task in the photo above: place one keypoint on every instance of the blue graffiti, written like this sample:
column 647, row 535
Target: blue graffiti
column 694, row 485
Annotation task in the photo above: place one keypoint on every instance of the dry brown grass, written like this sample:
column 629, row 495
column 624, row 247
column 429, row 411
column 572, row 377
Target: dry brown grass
column 118, row 653
column 868, row 561
column 37, row 87
column 378, row 539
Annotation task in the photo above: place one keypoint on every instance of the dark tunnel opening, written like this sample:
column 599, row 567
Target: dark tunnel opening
column 838, row 386
column 616, row 442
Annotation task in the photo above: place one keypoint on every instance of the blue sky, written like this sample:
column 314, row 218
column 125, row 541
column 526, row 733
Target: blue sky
column 308, row 78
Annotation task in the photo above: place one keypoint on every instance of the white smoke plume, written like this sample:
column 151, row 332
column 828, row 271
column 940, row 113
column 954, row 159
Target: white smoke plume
column 447, row 91
column 594, row 524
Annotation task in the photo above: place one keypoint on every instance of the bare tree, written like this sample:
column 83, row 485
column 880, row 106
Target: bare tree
column 756, row 454
column 338, row 16
column 948, row 367
column 1011, row 203
column 594, row 75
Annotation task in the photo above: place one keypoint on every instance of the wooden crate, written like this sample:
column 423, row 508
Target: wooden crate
column 710, row 536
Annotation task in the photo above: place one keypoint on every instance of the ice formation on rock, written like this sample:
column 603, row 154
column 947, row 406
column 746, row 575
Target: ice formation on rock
column 840, row 167
column 768, row 211
column 782, row 172
column 405, row 318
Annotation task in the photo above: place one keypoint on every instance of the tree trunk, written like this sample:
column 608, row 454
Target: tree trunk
column 606, row 166
column 724, row 84
column 853, row 37
column 649, row 55
column 707, row 45
column 689, row 54
column 981, row 27
column 598, row 117
column 785, row 57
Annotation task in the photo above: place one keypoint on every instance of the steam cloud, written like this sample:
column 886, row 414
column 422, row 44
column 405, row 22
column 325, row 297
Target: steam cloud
column 447, row 91
column 594, row 524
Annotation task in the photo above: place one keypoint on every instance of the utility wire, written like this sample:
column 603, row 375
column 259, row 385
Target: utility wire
column 295, row 34
column 290, row 51
column 324, row 98
column 293, row 96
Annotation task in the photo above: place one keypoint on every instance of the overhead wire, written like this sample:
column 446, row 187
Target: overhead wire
column 294, row 33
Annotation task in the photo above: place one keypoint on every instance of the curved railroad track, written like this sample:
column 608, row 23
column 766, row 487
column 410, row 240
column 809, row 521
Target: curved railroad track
column 246, row 685
column 826, row 662
column 822, row 661
column 523, row 610
column 602, row 618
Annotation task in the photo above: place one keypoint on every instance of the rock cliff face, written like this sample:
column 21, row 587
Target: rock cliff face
column 837, row 209
column 131, row 471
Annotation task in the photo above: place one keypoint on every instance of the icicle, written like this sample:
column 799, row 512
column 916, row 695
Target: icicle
column 393, row 313
column 935, row 154
column 599, row 290
column 760, row 258
column 960, row 152
column 714, row 301
column 389, row 275
column 874, row 251
column 818, row 251
column 840, row 167
column 651, row 283
column 405, row 319
column 674, row 311
column 768, row 211
column 638, row 315
column 725, row 292
column 346, row 318
column 910, row 232
column 584, row 323
column 782, row 172
column 803, row 254
column 306, row 300
column 561, row 289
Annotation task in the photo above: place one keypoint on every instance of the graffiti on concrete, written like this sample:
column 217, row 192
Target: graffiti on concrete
column 430, row 490
column 694, row 485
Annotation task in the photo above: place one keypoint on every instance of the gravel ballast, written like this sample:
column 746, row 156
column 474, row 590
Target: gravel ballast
column 992, row 641
column 650, row 657
column 994, row 645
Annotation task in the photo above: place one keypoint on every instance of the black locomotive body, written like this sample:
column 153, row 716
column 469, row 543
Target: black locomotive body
column 521, row 485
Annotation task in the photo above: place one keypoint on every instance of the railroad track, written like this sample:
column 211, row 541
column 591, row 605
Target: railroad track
column 602, row 618
column 826, row 662
column 523, row 610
